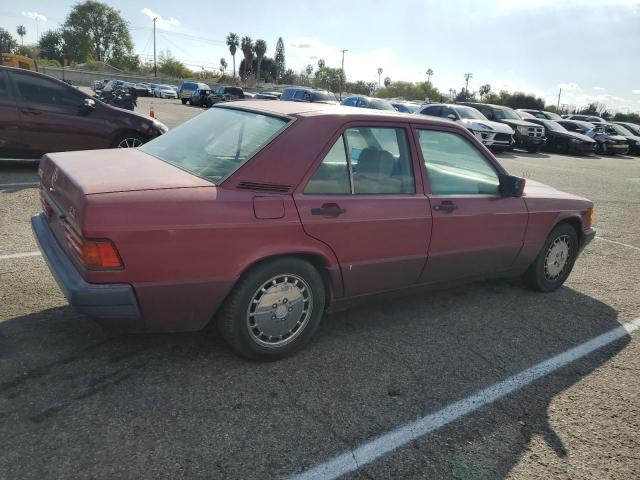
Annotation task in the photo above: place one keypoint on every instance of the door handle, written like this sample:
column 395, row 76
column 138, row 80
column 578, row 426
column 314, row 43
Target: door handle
column 446, row 206
column 328, row 209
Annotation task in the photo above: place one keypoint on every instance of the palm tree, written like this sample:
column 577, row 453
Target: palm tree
column 223, row 65
column 246, row 45
column 321, row 64
column 429, row 73
column 379, row 73
column 309, row 70
column 233, row 42
column 260, row 48
column 22, row 31
column 387, row 81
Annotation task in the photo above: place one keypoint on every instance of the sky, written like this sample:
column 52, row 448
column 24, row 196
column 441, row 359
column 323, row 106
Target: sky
column 589, row 48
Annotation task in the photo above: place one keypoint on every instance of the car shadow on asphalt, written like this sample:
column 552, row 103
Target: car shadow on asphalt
column 144, row 406
column 520, row 154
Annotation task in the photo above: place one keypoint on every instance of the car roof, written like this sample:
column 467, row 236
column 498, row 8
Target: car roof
column 308, row 110
column 479, row 104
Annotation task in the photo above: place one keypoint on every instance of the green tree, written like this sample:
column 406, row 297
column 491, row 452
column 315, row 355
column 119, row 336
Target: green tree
column 22, row 31
column 260, row 48
column 357, row 88
column 329, row 79
column 128, row 63
column 289, row 77
column 97, row 30
column 429, row 74
column 321, row 64
column 379, row 73
column 409, row 91
column 246, row 46
column 268, row 69
column 171, row 66
column 223, row 66
column 280, row 59
column 484, row 90
column 8, row 44
column 233, row 42
column 309, row 70
column 387, row 81
column 51, row 45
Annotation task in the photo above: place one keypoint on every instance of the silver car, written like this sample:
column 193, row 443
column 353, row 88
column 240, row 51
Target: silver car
column 164, row 91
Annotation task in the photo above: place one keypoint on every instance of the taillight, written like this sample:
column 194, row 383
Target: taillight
column 100, row 255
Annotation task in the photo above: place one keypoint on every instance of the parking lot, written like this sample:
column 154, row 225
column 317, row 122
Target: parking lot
column 79, row 401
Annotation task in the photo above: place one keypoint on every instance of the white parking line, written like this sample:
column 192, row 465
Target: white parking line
column 378, row 447
column 19, row 184
column 618, row 243
column 19, row 255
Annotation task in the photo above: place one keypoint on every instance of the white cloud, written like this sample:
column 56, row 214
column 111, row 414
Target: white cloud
column 598, row 88
column 637, row 92
column 35, row 16
column 161, row 23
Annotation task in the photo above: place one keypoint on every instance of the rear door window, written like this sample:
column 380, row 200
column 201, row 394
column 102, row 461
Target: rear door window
column 299, row 95
column 44, row 92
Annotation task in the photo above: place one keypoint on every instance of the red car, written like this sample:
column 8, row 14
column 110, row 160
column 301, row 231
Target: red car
column 263, row 215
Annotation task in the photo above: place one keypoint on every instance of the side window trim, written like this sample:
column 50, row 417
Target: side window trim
column 423, row 166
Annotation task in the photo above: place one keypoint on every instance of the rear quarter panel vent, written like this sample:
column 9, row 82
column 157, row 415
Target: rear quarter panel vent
column 264, row 187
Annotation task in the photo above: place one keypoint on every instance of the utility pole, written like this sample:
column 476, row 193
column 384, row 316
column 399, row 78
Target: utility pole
column 559, row 93
column 467, row 76
column 155, row 67
column 342, row 72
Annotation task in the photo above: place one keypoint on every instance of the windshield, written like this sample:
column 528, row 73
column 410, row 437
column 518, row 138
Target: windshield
column 505, row 113
column 324, row 96
column 620, row 130
column 215, row 143
column 553, row 116
column 553, row 125
column 380, row 105
column 468, row 112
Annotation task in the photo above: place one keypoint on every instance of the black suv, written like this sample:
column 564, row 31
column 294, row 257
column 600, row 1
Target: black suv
column 224, row 93
column 303, row 94
column 528, row 136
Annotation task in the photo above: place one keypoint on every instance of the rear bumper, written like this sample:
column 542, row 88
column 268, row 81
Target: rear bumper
column 103, row 301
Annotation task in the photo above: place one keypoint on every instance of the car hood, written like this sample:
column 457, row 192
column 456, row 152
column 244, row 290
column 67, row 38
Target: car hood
column 116, row 170
column 534, row 189
column 579, row 136
column 519, row 123
column 495, row 126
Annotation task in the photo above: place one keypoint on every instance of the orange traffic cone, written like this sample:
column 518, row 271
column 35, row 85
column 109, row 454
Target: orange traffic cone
column 152, row 111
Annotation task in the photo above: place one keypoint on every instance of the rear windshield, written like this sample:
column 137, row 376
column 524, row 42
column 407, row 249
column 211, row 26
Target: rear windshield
column 380, row 104
column 215, row 143
column 188, row 86
column 323, row 97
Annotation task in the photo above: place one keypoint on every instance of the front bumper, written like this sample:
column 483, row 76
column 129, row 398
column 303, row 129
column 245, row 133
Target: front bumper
column 103, row 301
column 587, row 235
column 582, row 148
column 493, row 139
column 528, row 142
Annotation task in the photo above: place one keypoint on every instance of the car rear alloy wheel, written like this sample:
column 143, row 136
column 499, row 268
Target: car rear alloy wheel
column 274, row 309
column 555, row 261
column 279, row 310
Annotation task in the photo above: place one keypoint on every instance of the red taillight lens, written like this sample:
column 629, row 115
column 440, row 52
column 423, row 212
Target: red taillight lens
column 100, row 255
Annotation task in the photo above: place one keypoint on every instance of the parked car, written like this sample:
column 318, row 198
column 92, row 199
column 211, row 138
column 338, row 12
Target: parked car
column 249, row 95
column 263, row 216
column 608, row 142
column 164, row 91
column 98, row 85
column 561, row 140
column 186, row 89
column 225, row 93
column 586, row 118
column 540, row 114
column 266, row 96
column 631, row 127
column 200, row 97
column 406, row 107
column 528, row 136
column 632, row 139
column 305, row 94
column 495, row 135
column 361, row 101
column 40, row 114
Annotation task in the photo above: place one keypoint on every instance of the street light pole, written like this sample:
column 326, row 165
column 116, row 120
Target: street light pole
column 155, row 67
column 467, row 76
column 342, row 72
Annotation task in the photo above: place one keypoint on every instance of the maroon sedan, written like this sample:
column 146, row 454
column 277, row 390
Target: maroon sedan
column 263, row 215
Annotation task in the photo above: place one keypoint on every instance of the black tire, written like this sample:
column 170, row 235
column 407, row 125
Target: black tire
column 234, row 319
column 184, row 101
column 131, row 139
column 537, row 277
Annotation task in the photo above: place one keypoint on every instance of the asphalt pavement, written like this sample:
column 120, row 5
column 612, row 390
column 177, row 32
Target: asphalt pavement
column 80, row 402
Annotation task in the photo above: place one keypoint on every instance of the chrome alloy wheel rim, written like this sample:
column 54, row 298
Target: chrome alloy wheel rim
column 130, row 143
column 279, row 310
column 557, row 258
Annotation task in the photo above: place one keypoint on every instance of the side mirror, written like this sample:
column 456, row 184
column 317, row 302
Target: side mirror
column 88, row 104
column 451, row 116
column 511, row 186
